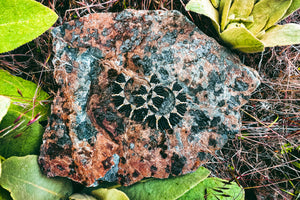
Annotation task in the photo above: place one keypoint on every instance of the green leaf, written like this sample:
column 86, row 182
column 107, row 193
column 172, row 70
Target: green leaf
column 266, row 13
column 22, row 177
column 280, row 35
column 108, row 194
column 215, row 189
column 241, row 8
column 238, row 37
column 81, row 197
column 21, row 141
column 215, row 3
column 293, row 7
column 25, row 95
column 165, row 189
column 205, row 7
column 4, row 194
column 224, row 10
column 18, row 136
column 4, row 105
column 21, row 21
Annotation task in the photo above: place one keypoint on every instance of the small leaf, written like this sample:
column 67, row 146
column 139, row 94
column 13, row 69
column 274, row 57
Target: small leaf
column 108, row 194
column 4, row 194
column 296, row 164
column 293, row 7
column 205, row 7
column 224, row 10
column 280, row 35
column 81, row 197
column 22, row 177
column 4, row 105
column 21, row 21
column 266, row 13
column 165, row 189
column 215, row 189
column 238, row 37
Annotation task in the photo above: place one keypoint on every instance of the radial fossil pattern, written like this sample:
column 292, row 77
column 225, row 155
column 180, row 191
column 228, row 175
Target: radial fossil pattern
column 148, row 101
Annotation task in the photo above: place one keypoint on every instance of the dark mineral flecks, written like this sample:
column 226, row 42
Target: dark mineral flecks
column 142, row 94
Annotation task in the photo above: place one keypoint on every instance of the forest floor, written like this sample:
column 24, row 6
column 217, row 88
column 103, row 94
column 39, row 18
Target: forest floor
column 264, row 158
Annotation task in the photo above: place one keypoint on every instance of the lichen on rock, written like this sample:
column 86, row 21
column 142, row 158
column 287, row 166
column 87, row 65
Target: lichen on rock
column 142, row 94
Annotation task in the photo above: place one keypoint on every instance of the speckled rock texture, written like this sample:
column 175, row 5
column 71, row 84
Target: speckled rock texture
column 142, row 94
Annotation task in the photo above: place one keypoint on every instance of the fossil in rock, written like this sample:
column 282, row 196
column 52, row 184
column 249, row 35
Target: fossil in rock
column 147, row 101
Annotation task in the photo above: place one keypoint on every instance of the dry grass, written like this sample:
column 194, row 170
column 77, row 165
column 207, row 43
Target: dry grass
column 271, row 119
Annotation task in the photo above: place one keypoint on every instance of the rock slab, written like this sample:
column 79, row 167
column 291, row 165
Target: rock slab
column 142, row 94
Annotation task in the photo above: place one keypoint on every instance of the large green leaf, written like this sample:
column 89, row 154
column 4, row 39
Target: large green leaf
column 266, row 13
column 215, row 189
column 4, row 105
column 224, row 11
column 293, row 7
column 19, row 136
column 205, row 7
column 165, row 189
column 22, row 177
column 238, row 37
column 109, row 194
column 21, row 21
column 280, row 35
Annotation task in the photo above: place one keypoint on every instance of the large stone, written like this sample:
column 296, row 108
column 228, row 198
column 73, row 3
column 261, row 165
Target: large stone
column 142, row 94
